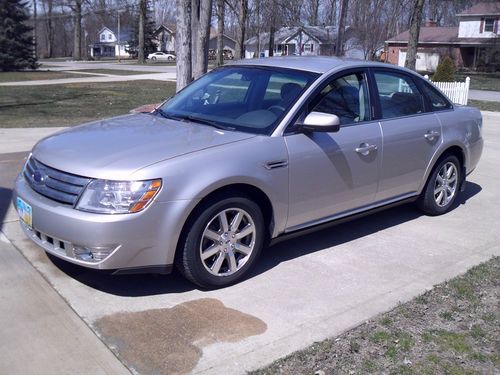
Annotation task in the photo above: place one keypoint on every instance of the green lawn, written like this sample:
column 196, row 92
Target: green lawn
column 72, row 104
column 484, row 105
column 481, row 81
column 453, row 329
column 35, row 75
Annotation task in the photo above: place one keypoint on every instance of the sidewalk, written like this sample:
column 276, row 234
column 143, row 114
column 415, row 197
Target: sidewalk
column 105, row 78
column 490, row 96
column 41, row 334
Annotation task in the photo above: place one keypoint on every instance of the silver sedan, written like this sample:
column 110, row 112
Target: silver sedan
column 248, row 153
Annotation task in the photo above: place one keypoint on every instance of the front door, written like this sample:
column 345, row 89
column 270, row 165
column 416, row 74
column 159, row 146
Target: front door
column 334, row 173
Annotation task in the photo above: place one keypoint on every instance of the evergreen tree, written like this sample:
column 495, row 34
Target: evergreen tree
column 16, row 40
column 149, row 29
column 445, row 71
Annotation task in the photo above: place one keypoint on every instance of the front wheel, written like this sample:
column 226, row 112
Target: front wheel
column 442, row 187
column 222, row 243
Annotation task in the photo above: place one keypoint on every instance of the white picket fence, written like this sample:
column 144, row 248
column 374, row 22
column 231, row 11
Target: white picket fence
column 457, row 92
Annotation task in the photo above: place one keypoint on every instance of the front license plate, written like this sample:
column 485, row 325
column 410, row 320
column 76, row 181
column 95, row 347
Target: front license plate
column 25, row 212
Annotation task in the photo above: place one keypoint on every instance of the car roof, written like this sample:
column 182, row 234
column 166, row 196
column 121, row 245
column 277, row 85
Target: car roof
column 316, row 64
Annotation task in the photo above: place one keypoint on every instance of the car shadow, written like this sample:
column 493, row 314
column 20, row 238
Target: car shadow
column 5, row 199
column 148, row 284
column 339, row 234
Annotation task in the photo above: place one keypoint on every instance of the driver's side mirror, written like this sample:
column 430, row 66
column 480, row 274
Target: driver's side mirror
column 321, row 122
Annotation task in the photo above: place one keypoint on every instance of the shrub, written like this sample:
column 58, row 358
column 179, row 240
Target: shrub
column 445, row 71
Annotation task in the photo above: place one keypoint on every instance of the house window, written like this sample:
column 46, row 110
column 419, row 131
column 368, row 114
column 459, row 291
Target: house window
column 308, row 47
column 488, row 25
column 110, row 36
column 103, row 36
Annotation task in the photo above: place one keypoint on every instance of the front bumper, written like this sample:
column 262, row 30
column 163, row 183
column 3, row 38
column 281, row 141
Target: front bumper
column 144, row 240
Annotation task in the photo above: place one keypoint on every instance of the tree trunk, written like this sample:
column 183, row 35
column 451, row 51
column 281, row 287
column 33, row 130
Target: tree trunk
column 340, row 35
column 271, row 40
column 242, row 21
column 142, row 20
column 77, row 45
column 183, row 43
column 220, row 32
column 200, row 35
column 416, row 21
column 50, row 29
column 314, row 9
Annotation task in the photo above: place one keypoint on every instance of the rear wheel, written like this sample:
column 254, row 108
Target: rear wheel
column 222, row 243
column 442, row 187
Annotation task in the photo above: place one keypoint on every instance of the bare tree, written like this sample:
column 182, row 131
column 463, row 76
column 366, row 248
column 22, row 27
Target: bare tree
column 76, row 6
column 48, row 6
column 183, row 43
column 200, row 35
column 142, row 20
column 340, row 34
column 416, row 21
column 220, row 32
column 313, row 10
column 241, row 10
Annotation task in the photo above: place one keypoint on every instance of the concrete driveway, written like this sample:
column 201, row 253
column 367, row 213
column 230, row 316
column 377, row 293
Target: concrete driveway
column 303, row 290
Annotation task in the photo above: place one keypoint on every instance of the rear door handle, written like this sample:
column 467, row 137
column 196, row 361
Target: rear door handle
column 365, row 148
column 431, row 135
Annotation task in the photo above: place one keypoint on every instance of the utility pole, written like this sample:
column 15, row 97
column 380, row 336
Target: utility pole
column 34, row 30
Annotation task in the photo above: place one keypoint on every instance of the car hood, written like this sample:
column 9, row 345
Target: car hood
column 117, row 147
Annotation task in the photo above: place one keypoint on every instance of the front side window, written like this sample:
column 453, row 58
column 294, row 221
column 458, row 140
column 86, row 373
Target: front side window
column 489, row 24
column 249, row 99
column 346, row 97
column 398, row 95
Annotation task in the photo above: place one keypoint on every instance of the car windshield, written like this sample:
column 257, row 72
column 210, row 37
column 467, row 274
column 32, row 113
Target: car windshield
column 248, row 99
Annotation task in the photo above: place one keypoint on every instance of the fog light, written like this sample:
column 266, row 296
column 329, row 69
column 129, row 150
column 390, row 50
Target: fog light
column 92, row 254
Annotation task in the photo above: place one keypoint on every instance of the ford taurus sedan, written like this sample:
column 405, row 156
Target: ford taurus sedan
column 247, row 153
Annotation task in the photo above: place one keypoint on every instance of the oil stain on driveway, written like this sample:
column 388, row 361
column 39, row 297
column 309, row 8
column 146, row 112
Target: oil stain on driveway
column 170, row 340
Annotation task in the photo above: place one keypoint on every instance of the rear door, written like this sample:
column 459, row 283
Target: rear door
column 411, row 133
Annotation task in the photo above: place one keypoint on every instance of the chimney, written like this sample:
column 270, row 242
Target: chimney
column 430, row 23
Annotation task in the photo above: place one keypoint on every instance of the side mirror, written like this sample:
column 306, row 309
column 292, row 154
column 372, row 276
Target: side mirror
column 321, row 122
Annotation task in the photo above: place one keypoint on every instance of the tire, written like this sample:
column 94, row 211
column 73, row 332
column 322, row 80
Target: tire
column 153, row 58
column 170, row 58
column 440, row 193
column 226, row 256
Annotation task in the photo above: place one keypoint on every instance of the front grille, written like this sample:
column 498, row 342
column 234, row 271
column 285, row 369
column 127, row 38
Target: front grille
column 54, row 184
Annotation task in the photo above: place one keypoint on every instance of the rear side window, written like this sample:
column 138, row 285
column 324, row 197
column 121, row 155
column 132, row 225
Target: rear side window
column 398, row 94
column 437, row 100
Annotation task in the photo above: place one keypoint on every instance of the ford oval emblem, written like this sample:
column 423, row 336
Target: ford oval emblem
column 38, row 177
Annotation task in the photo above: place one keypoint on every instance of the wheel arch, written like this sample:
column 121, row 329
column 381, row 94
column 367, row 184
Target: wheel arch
column 235, row 189
column 453, row 149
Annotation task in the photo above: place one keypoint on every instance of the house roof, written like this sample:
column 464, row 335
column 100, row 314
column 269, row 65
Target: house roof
column 428, row 35
column 125, row 33
column 322, row 34
column 169, row 29
column 440, row 35
column 482, row 9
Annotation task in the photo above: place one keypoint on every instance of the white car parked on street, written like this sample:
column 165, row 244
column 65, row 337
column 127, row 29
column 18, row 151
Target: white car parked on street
column 161, row 56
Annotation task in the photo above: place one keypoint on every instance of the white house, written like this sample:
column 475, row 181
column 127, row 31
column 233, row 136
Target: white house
column 111, row 43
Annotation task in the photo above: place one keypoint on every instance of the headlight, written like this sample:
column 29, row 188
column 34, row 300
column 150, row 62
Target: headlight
column 118, row 197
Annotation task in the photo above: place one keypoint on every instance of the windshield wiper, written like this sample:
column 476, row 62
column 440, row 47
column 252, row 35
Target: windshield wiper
column 166, row 115
column 204, row 122
column 193, row 119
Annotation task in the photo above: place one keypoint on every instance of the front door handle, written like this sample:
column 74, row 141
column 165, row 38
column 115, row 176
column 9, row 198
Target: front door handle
column 365, row 148
column 431, row 135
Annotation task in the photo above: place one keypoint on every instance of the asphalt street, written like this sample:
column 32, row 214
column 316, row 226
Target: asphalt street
column 303, row 290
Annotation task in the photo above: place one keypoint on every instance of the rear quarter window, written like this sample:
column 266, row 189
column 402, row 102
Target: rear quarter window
column 436, row 99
